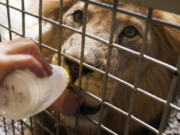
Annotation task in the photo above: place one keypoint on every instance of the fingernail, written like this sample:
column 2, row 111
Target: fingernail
column 49, row 71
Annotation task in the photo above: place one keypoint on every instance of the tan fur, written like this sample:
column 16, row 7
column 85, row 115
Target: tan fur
column 163, row 44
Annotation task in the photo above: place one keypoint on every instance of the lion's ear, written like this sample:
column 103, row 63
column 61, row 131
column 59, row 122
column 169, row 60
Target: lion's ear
column 172, row 35
column 51, row 7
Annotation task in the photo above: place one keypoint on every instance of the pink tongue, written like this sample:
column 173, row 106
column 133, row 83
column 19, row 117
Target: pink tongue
column 67, row 103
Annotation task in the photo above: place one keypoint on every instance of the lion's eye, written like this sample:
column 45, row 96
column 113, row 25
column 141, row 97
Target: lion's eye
column 78, row 16
column 130, row 32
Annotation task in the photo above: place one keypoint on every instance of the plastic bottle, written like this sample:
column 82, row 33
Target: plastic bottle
column 23, row 94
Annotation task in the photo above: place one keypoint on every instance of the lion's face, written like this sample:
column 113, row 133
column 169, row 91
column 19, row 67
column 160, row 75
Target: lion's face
column 128, row 31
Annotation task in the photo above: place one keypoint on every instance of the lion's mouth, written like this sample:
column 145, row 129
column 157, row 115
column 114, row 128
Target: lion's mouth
column 70, row 103
column 74, row 70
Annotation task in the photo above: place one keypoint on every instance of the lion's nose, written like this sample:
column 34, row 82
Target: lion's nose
column 74, row 69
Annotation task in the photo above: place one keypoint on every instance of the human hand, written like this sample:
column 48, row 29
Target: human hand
column 20, row 54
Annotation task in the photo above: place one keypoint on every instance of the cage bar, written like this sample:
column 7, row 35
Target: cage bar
column 5, row 129
column 60, row 30
column 23, row 18
column 85, row 9
column 9, row 20
column 138, row 70
column 169, row 100
column 22, row 128
column 40, row 23
column 105, row 79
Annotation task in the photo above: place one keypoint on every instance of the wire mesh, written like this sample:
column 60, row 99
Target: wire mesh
column 107, row 75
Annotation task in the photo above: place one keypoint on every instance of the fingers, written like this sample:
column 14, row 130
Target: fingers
column 34, row 51
column 22, row 45
column 25, row 61
column 27, row 46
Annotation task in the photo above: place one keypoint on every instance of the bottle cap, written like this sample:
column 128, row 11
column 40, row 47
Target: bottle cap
column 67, row 74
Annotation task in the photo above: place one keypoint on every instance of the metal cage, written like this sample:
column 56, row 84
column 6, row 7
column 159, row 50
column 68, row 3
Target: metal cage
column 8, row 127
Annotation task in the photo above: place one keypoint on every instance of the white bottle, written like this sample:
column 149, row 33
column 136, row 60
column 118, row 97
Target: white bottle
column 23, row 94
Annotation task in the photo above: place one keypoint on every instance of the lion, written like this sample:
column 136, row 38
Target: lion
column 162, row 43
